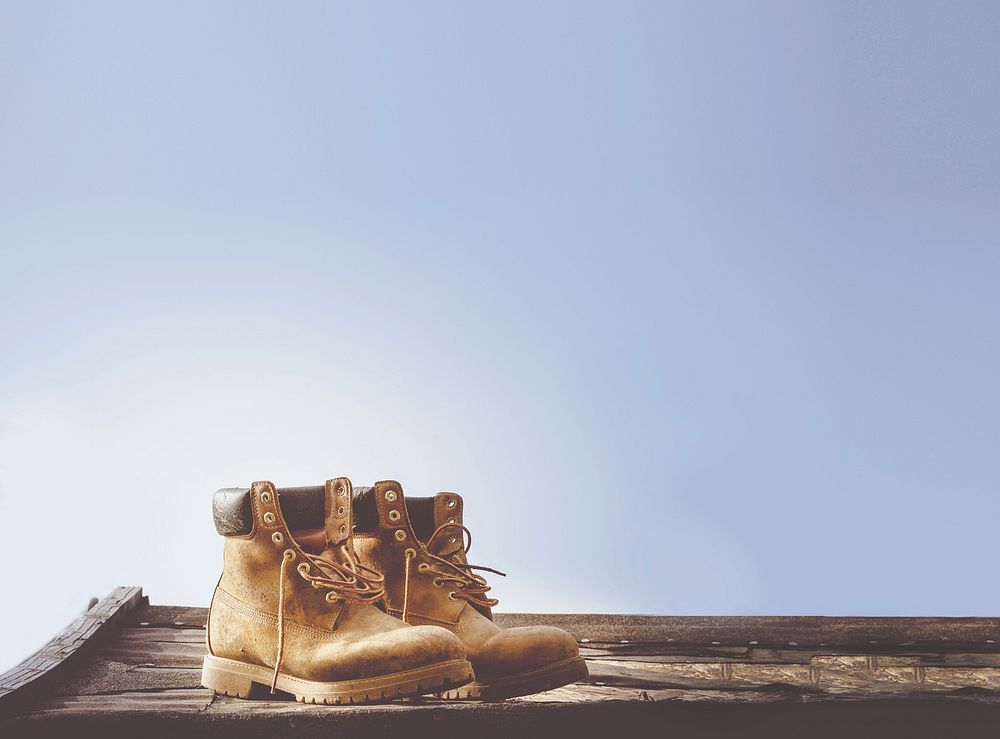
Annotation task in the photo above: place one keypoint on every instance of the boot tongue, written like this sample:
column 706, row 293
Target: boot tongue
column 338, row 511
column 449, row 541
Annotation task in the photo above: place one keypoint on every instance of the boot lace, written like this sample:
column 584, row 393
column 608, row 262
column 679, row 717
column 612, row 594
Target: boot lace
column 452, row 567
column 347, row 581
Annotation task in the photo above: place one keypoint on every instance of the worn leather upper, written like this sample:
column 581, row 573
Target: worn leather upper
column 387, row 525
column 324, row 639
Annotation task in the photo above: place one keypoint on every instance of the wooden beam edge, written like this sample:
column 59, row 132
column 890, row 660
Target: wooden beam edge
column 67, row 647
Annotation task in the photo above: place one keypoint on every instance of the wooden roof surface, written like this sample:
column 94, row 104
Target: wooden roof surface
column 126, row 667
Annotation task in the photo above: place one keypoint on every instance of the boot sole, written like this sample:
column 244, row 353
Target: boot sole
column 238, row 679
column 523, row 683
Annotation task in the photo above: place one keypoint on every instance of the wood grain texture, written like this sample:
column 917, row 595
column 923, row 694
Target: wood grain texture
column 645, row 670
column 869, row 633
column 66, row 648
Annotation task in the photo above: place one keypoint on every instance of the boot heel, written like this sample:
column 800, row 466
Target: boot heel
column 224, row 680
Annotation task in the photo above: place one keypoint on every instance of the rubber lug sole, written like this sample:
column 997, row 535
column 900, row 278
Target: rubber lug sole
column 241, row 679
column 523, row 683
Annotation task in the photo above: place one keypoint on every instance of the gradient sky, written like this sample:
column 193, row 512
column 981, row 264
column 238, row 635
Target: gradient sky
column 697, row 303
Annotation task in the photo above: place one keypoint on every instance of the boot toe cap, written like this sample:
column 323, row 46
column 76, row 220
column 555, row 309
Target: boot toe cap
column 522, row 649
column 389, row 652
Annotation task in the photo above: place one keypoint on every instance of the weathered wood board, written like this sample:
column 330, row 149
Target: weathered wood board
column 140, row 674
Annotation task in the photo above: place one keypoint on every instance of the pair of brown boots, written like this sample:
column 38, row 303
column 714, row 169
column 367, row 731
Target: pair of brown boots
column 338, row 595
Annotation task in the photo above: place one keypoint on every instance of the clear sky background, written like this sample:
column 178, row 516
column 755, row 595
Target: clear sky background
column 697, row 303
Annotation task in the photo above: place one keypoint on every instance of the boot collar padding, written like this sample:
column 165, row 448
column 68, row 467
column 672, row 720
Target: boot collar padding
column 302, row 507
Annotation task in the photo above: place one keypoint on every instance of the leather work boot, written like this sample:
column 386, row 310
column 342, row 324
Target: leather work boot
column 418, row 544
column 284, row 617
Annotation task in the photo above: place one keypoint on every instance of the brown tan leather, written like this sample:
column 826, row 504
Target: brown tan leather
column 385, row 532
column 325, row 638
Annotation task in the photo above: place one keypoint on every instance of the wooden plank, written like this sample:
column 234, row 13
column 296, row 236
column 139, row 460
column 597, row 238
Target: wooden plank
column 841, row 675
column 146, row 675
column 770, row 630
column 181, row 700
column 189, row 660
column 977, row 634
column 165, row 645
column 679, row 713
column 148, row 634
column 172, row 616
column 66, row 648
column 777, row 656
column 105, row 677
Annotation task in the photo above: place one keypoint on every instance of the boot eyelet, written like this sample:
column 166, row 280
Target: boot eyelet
column 343, row 529
column 436, row 582
column 451, row 595
column 410, row 553
column 269, row 517
column 390, row 495
column 423, row 567
column 450, row 503
column 331, row 597
column 400, row 535
column 265, row 497
column 277, row 538
column 304, row 568
column 394, row 515
column 341, row 491
column 288, row 554
column 340, row 511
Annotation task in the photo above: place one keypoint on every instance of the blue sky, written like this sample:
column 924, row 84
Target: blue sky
column 696, row 303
